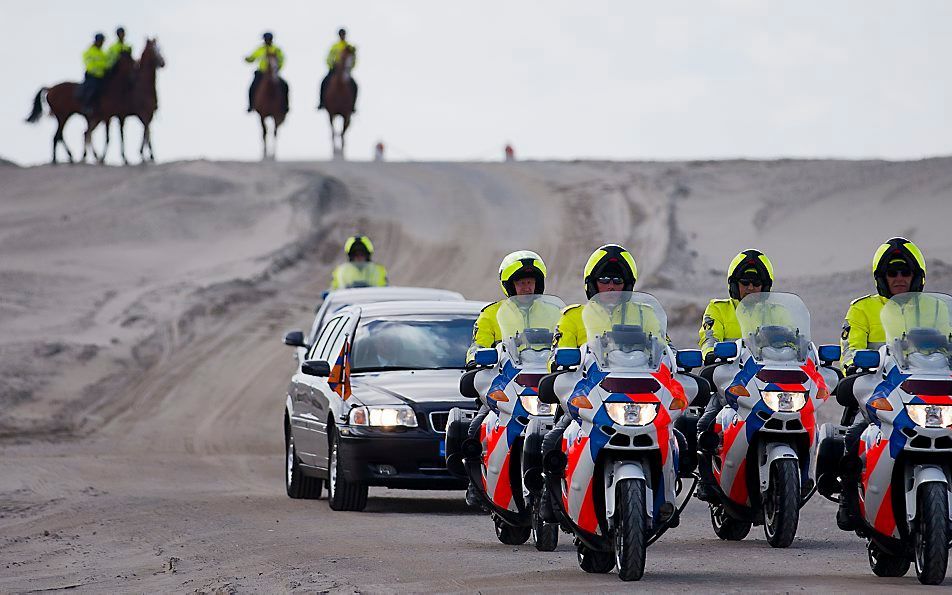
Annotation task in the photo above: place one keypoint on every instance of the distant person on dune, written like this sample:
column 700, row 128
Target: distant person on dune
column 261, row 55
column 118, row 47
column 97, row 63
column 333, row 56
column 359, row 271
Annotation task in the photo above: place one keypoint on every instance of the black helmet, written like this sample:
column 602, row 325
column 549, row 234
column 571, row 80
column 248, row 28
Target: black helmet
column 99, row 37
column 120, row 31
column 267, row 35
column 903, row 250
column 342, row 32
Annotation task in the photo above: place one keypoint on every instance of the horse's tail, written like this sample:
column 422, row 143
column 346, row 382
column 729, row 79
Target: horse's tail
column 34, row 116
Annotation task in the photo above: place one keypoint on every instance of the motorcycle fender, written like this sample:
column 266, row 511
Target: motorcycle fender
column 916, row 477
column 771, row 452
column 616, row 472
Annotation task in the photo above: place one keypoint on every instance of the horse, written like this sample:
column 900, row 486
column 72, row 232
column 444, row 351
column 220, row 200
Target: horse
column 63, row 102
column 269, row 101
column 143, row 100
column 339, row 98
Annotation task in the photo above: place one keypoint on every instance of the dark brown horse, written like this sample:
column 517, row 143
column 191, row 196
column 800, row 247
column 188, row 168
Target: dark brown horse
column 339, row 99
column 143, row 100
column 116, row 98
column 269, row 103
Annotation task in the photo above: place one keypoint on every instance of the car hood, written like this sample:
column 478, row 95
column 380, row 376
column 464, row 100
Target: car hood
column 407, row 386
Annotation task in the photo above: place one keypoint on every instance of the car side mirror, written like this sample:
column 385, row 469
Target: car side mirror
column 547, row 389
column 316, row 367
column 567, row 357
column 688, row 359
column 295, row 339
column 725, row 350
column 486, row 357
column 867, row 359
column 467, row 385
column 829, row 354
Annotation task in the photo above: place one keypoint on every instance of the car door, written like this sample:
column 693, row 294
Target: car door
column 311, row 421
column 327, row 401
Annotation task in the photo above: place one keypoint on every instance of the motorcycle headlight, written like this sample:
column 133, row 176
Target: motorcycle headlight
column 930, row 416
column 632, row 414
column 784, row 400
column 536, row 407
column 383, row 417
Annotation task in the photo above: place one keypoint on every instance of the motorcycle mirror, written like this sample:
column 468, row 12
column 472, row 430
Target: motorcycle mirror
column 547, row 389
column 467, row 386
column 688, row 359
column 568, row 357
column 486, row 357
column 829, row 354
column 866, row 359
column 725, row 350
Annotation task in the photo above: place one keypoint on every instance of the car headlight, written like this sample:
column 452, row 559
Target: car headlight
column 536, row 407
column 632, row 414
column 930, row 416
column 784, row 400
column 383, row 417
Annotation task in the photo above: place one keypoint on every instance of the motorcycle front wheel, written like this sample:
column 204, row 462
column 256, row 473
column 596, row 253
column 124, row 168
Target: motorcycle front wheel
column 932, row 539
column 631, row 528
column 782, row 504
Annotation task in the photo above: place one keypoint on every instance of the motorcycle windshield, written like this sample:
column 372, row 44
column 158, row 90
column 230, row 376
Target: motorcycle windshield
column 626, row 330
column 527, row 323
column 775, row 326
column 918, row 330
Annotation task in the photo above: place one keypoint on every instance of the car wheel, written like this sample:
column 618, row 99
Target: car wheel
column 296, row 483
column 342, row 494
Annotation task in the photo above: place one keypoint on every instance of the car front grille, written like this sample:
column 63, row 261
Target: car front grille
column 438, row 421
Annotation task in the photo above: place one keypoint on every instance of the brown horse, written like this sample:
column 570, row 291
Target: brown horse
column 269, row 102
column 339, row 99
column 143, row 100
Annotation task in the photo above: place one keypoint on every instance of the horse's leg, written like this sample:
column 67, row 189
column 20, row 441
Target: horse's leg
column 330, row 119
column 264, row 139
column 58, row 138
column 105, row 147
column 343, row 132
column 274, row 139
column 148, row 132
column 122, row 139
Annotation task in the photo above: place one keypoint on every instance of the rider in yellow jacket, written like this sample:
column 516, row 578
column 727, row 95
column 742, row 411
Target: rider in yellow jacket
column 96, row 62
column 898, row 267
column 520, row 273
column 749, row 272
column 359, row 271
column 261, row 55
column 333, row 56
column 118, row 47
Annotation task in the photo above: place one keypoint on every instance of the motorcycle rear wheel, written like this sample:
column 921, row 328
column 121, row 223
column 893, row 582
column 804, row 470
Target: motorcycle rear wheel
column 932, row 539
column 725, row 527
column 631, row 528
column 595, row 562
column 884, row 564
column 511, row 535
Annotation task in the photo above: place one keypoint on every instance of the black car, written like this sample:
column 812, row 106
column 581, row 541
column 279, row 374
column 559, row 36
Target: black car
column 368, row 404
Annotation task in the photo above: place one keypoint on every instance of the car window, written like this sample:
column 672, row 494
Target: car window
column 321, row 343
column 331, row 349
column 412, row 342
column 316, row 327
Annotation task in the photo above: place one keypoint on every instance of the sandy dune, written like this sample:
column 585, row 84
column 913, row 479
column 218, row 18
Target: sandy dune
column 141, row 372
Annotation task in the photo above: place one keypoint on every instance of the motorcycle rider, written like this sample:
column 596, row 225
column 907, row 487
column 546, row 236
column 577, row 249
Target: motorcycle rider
column 610, row 268
column 898, row 267
column 749, row 272
column 520, row 273
column 359, row 271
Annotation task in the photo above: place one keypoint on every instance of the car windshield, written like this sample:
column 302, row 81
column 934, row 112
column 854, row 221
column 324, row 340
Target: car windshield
column 411, row 343
column 775, row 326
column 918, row 330
column 626, row 330
column 527, row 323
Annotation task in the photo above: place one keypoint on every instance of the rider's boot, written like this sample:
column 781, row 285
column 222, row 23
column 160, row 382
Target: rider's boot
column 472, row 499
column 844, row 514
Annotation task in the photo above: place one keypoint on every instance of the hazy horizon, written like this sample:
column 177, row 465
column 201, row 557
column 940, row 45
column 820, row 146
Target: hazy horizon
column 446, row 81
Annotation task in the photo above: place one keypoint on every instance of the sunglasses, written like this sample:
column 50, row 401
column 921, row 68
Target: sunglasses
column 750, row 282
column 899, row 272
column 611, row 280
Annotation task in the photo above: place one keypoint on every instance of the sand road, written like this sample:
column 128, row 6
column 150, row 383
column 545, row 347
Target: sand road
column 141, row 311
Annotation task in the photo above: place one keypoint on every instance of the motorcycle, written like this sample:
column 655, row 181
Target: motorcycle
column 899, row 487
column 614, row 483
column 758, row 456
column 506, row 380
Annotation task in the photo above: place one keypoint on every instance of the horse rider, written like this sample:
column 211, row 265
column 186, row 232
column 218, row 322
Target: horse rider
column 118, row 47
column 97, row 63
column 332, row 57
column 261, row 55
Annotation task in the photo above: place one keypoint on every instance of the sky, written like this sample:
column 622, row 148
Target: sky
column 452, row 80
